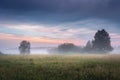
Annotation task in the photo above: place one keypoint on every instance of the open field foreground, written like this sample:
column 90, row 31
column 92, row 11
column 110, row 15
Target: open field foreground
column 60, row 67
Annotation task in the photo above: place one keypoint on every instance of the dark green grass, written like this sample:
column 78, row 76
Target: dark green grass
column 60, row 67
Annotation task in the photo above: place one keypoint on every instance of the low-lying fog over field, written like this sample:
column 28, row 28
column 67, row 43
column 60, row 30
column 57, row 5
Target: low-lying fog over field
column 46, row 51
column 33, row 51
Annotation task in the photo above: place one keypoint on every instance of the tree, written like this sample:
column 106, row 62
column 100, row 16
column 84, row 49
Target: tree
column 1, row 53
column 67, row 47
column 88, row 47
column 101, row 42
column 24, row 47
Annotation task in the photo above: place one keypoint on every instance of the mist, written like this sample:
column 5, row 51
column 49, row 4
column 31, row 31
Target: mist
column 33, row 51
column 46, row 51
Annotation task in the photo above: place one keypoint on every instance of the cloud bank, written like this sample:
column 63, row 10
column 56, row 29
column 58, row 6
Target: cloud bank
column 57, row 21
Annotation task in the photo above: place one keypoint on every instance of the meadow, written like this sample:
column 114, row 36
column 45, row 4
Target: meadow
column 60, row 67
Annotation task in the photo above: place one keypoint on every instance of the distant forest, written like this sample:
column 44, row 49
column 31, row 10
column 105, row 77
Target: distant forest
column 100, row 44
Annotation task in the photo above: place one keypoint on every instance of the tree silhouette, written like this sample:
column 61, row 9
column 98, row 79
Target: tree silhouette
column 24, row 47
column 1, row 53
column 67, row 47
column 102, row 41
column 88, row 47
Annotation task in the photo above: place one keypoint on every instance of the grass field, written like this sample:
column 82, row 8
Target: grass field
column 60, row 67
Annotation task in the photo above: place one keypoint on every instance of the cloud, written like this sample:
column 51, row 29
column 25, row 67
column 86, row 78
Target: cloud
column 39, row 40
column 115, row 36
column 22, row 27
column 58, row 11
column 71, row 30
column 58, row 21
column 51, row 5
column 56, row 32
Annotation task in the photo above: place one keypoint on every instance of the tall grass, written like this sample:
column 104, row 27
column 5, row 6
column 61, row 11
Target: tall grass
column 60, row 67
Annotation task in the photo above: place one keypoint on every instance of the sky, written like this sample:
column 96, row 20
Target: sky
column 53, row 22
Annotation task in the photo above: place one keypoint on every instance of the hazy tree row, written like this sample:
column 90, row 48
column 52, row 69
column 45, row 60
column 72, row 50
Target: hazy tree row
column 100, row 44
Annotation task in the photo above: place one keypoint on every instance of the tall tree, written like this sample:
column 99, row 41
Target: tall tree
column 24, row 47
column 101, row 42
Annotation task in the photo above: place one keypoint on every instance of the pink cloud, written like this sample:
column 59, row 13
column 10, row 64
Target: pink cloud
column 115, row 36
column 115, row 39
column 39, row 39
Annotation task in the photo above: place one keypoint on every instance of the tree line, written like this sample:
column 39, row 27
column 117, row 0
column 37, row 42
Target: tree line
column 100, row 44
